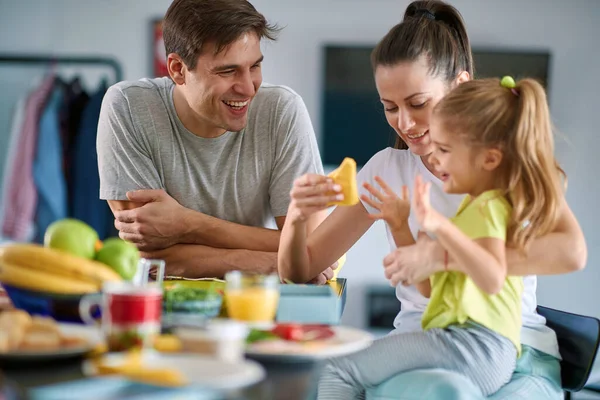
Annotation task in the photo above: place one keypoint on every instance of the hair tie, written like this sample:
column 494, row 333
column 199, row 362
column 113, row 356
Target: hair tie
column 509, row 83
column 425, row 13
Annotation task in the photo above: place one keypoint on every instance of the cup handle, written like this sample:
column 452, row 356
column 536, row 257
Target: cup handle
column 146, row 266
column 85, row 305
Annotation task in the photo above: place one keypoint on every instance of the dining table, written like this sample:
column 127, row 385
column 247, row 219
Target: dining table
column 285, row 378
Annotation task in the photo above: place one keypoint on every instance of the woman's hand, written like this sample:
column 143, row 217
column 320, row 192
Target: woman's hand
column 392, row 209
column 429, row 219
column 312, row 193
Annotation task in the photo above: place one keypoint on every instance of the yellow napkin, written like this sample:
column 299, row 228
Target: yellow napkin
column 345, row 176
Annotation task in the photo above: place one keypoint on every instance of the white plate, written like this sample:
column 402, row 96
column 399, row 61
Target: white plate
column 92, row 334
column 346, row 341
column 205, row 372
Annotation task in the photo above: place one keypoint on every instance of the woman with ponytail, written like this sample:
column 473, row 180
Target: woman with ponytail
column 416, row 64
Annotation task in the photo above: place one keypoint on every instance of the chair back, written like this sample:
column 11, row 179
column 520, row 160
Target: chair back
column 578, row 337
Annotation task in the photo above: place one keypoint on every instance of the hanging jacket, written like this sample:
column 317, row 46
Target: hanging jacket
column 48, row 167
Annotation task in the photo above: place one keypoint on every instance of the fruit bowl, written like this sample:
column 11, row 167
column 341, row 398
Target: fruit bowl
column 61, row 307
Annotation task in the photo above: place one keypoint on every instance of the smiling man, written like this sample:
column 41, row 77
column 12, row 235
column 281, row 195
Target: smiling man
column 197, row 167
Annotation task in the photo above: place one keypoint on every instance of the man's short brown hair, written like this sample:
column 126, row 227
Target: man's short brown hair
column 190, row 24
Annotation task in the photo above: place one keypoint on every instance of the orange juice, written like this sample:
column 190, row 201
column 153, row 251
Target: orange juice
column 255, row 304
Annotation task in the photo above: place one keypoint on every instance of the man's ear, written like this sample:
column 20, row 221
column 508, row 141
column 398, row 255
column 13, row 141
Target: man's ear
column 176, row 68
column 492, row 158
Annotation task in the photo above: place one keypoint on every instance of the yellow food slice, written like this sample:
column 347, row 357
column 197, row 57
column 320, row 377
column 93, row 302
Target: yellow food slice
column 345, row 176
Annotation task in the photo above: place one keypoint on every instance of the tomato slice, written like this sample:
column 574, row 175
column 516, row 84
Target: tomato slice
column 301, row 332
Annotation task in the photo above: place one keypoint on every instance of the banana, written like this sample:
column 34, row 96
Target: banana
column 42, row 281
column 33, row 257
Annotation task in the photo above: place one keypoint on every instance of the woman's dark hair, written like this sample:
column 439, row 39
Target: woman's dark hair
column 433, row 29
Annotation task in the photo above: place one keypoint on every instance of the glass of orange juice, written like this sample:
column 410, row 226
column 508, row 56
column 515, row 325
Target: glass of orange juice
column 251, row 297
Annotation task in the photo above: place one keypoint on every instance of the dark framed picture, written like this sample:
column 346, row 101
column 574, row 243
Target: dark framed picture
column 159, row 56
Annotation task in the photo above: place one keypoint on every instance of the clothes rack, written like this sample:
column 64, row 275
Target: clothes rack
column 49, row 61
column 75, row 60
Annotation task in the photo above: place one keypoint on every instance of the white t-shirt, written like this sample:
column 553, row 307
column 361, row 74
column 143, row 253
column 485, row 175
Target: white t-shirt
column 400, row 167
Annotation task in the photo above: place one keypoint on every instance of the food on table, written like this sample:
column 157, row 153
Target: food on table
column 133, row 367
column 167, row 343
column 199, row 302
column 20, row 332
column 303, row 332
column 122, row 256
column 292, row 332
column 73, row 236
column 33, row 267
column 345, row 176
column 291, row 338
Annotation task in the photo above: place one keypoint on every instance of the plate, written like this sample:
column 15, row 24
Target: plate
column 202, row 371
column 346, row 341
column 92, row 334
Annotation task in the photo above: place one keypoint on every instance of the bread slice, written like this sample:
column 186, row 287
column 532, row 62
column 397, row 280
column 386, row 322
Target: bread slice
column 36, row 341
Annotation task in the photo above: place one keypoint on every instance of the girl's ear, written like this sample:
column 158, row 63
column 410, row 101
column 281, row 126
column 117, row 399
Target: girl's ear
column 463, row 77
column 492, row 158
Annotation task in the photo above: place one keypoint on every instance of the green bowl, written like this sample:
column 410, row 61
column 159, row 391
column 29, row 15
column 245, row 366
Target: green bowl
column 189, row 300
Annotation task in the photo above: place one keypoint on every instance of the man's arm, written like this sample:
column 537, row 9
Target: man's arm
column 196, row 261
column 215, row 232
column 153, row 220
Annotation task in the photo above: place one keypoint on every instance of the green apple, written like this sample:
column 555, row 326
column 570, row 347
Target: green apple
column 121, row 256
column 73, row 236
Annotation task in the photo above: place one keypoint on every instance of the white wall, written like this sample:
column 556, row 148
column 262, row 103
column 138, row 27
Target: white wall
column 569, row 28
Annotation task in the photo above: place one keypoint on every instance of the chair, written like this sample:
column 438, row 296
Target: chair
column 578, row 339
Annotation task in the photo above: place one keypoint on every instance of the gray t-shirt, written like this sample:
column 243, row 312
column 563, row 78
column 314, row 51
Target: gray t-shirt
column 243, row 177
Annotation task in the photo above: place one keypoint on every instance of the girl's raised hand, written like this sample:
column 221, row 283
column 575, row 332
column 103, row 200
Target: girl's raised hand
column 393, row 209
column 429, row 219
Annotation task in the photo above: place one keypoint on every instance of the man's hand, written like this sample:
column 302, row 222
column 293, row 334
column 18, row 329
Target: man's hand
column 159, row 223
column 414, row 263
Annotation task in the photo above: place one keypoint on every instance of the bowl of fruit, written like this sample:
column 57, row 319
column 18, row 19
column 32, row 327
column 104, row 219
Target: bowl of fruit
column 51, row 279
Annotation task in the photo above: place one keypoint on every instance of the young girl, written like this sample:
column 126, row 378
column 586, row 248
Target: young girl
column 493, row 142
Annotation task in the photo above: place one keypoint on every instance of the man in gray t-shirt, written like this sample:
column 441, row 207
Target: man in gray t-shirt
column 218, row 149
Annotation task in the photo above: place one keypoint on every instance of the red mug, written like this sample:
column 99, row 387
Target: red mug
column 131, row 314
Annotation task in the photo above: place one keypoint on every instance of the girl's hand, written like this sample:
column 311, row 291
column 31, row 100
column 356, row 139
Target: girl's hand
column 392, row 209
column 311, row 193
column 429, row 219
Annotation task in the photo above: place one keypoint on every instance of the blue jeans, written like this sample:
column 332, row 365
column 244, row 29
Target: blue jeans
column 536, row 377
